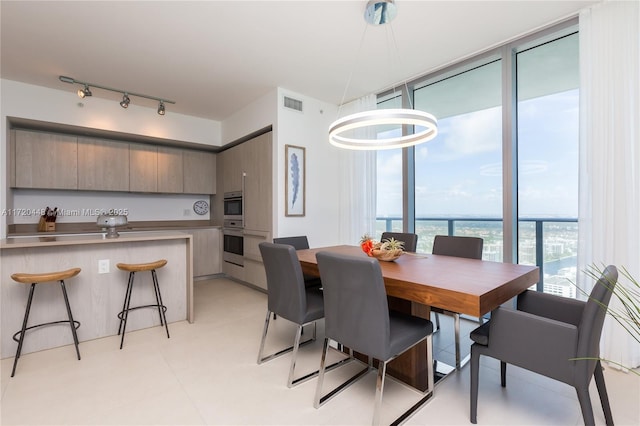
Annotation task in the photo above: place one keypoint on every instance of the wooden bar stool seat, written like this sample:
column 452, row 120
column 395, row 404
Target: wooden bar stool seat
column 132, row 268
column 33, row 279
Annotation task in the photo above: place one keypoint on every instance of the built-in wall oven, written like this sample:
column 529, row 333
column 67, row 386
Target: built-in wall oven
column 233, row 208
column 233, row 245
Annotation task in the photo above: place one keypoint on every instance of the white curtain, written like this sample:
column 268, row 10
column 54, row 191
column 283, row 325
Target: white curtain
column 358, row 181
column 609, row 212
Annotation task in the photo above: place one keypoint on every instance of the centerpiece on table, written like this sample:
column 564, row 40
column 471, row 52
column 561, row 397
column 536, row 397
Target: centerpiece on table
column 387, row 250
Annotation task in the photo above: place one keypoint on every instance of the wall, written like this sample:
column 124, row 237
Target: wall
column 57, row 106
column 309, row 129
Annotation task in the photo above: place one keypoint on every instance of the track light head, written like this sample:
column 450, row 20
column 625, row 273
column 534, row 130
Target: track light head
column 125, row 101
column 82, row 93
column 161, row 108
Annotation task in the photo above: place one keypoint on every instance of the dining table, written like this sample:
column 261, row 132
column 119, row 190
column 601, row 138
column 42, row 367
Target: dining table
column 417, row 281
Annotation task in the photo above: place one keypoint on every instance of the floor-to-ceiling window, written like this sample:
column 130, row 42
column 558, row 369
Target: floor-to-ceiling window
column 458, row 175
column 548, row 102
column 462, row 180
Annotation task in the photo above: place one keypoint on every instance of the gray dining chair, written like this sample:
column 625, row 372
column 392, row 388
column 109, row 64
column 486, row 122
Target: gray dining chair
column 288, row 297
column 357, row 316
column 554, row 336
column 466, row 247
column 300, row 243
column 410, row 240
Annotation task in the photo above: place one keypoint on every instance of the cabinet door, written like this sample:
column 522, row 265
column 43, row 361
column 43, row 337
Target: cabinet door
column 44, row 160
column 143, row 168
column 207, row 252
column 232, row 166
column 253, row 265
column 199, row 172
column 170, row 175
column 103, row 165
column 258, row 183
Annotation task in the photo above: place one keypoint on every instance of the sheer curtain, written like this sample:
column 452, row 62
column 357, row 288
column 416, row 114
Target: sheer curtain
column 609, row 212
column 358, row 176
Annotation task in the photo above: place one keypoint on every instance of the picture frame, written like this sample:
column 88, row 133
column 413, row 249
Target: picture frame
column 295, row 177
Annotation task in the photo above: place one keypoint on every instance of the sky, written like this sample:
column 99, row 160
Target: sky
column 459, row 173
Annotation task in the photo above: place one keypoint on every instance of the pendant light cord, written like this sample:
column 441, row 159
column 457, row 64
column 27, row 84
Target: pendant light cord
column 344, row 94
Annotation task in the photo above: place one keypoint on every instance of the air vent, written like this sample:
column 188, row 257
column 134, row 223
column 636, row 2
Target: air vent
column 292, row 103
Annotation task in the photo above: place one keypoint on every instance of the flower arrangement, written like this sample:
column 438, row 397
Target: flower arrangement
column 387, row 250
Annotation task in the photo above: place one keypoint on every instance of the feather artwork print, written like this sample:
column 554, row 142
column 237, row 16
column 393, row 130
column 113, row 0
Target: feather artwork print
column 295, row 178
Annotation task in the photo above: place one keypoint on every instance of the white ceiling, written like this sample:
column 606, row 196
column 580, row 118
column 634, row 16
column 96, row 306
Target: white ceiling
column 215, row 57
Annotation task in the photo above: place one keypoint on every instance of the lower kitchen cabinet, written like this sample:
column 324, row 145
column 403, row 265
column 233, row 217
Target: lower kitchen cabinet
column 207, row 251
column 253, row 266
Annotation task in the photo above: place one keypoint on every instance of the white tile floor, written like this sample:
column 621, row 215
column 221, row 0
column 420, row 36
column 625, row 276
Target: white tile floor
column 207, row 374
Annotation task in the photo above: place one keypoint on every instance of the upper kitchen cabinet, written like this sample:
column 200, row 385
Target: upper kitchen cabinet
column 199, row 171
column 143, row 168
column 256, row 159
column 43, row 160
column 232, row 167
column 103, row 165
column 170, row 170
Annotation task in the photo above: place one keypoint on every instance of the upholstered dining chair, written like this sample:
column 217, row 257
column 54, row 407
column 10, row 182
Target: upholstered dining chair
column 466, row 247
column 300, row 243
column 550, row 335
column 410, row 240
column 357, row 316
column 288, row 297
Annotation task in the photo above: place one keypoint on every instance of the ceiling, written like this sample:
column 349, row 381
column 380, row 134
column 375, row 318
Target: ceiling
column 215, row 57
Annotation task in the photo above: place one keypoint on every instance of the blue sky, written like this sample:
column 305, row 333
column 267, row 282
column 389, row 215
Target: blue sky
column 460, row 171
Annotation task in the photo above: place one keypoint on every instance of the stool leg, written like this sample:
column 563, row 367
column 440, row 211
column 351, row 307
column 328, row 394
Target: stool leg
column 71, row 322
column 125, row 308
column 24, row 328
column 161, row 307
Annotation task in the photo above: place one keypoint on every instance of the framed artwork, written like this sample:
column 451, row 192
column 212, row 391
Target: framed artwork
column 294, row 180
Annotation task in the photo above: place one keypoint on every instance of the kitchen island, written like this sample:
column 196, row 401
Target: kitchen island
column 95, row 297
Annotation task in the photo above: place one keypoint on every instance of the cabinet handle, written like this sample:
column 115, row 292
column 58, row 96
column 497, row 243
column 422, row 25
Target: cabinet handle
column 244, row 196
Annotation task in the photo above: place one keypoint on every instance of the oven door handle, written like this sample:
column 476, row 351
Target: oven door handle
column 244, row 175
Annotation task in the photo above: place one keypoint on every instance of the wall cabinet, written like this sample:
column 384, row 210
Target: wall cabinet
column 44, row 160
column 199, row 171
column 143, row 168
column 170, row 170
column 103, row 165
column 207, row 252
column 57, row 161
column 258, row 183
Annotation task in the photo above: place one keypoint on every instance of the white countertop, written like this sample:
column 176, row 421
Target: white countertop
column 83, row 239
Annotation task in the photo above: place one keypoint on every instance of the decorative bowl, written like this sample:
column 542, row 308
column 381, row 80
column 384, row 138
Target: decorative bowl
column 387, row 255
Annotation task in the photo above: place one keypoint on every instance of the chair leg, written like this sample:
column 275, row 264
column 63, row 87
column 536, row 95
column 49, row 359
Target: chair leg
column 24, row 329
column 437, row 323
column 382, row 368
column 323, row 360
column 602, row 391
column 125, row 309
column 585, row 405
column 294, row 356
column 70, row 315
column 503, row 374
column 456, row 325
column 161, row 307
column 475, row 368
column 264, row 337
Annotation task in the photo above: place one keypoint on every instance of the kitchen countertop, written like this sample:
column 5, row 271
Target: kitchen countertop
column 94, row 238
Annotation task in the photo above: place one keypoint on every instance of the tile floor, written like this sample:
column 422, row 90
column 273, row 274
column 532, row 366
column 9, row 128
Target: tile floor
column 207, row 374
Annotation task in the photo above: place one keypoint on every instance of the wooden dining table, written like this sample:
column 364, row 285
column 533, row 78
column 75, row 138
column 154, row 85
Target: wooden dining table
column 414, row 282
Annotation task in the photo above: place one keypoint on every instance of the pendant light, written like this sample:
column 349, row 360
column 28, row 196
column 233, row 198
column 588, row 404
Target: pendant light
column 341, row 131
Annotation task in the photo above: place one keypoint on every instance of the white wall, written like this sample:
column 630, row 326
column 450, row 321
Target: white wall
column 57, row 106
column 309, row 129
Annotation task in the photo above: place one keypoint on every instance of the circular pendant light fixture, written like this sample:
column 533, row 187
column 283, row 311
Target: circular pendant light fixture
column 425, row 125
column 342, row 132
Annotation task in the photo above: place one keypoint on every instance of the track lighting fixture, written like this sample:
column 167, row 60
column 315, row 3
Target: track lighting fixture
column 85, row 92
column 125, row 101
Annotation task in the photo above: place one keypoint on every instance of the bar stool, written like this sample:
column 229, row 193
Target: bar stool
column 132, row 268
column 34, row 279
